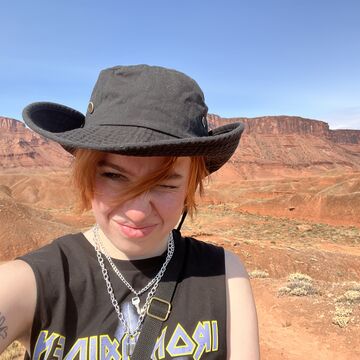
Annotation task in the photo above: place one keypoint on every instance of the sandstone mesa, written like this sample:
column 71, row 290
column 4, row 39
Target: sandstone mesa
column 271, row 147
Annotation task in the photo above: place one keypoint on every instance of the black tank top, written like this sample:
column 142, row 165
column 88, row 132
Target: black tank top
column 74, row 317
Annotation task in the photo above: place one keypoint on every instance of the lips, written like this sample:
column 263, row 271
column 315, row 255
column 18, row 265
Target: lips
column 135, row 231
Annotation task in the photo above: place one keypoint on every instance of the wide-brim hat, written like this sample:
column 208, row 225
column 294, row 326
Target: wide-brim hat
column 139, row 110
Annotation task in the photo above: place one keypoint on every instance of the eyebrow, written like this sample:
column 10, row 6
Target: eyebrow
column 113, row 166
column 171, row 176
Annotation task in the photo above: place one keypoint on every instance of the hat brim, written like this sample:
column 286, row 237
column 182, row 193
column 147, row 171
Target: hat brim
column 65, row 126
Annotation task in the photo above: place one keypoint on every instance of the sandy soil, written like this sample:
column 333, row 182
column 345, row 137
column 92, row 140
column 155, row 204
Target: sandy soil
column 293, row 327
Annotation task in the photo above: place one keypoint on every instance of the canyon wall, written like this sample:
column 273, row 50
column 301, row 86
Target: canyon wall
column 21, row 147
column 289, row 125
column 271, row 146
column 291, row 146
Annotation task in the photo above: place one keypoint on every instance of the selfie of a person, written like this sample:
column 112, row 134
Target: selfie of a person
column 180, row 180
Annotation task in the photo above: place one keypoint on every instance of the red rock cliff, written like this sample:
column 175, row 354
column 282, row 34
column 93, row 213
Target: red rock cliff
column 345, row 136
column 285, row 125
column 271, row 146
column 21, row 147
column 292, row 146
column 11, row 125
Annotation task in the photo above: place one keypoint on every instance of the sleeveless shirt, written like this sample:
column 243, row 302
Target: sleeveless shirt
column 75, row 319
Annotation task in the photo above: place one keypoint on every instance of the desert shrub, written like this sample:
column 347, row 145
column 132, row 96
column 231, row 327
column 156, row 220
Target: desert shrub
column 299, row 277
column 353, row 285
column 342, row 316
column 258, row 274
column 13, row 351
column 350, row 296
column 298, row 285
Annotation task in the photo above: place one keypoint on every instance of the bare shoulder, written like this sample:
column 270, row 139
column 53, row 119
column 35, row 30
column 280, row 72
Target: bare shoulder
column 234, row 266
column 242, row 325
column 17, row 301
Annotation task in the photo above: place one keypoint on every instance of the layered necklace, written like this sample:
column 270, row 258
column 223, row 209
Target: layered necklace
column 153, row 284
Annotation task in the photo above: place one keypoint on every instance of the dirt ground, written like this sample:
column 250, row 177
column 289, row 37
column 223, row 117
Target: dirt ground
column 322, row 321
column 293, row 327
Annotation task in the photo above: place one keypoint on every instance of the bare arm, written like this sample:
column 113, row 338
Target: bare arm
column 242, row 325
column 17, row 302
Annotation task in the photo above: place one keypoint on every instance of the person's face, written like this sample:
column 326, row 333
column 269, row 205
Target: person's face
column 143, row 222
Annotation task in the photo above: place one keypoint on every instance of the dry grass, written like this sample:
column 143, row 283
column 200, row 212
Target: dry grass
column 344, row 304
column 342, row 316
column 298, row 284
column 14, row 351
column 258, row 274
column 351, row 295
column 353, row 285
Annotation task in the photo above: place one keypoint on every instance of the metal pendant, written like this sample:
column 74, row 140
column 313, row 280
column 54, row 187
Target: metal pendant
column 136, row 302
column 130, row 345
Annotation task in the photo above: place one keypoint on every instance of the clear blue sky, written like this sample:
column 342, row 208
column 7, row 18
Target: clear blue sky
column 251, row 57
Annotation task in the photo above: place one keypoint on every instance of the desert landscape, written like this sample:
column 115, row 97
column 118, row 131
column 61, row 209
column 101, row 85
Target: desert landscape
column 288, row 204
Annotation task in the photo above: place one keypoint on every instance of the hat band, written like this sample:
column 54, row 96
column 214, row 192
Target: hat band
column 143, row 127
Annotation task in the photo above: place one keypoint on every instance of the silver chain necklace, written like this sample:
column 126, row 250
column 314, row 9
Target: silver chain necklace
column 136, row 299
column 154, row 283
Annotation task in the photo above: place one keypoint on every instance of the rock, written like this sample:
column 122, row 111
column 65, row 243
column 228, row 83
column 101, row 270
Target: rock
column 22, row 147
column 304, row 227
column 291, row 146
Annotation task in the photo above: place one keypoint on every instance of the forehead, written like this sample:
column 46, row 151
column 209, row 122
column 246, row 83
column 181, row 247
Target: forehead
column 142, row 166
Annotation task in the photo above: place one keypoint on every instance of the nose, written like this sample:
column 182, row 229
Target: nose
column 138, row 208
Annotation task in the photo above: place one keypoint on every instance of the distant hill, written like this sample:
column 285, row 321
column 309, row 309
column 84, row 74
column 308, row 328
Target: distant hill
column 272, row 146
column 23, row 227
column 277, row 146
column 21, row 147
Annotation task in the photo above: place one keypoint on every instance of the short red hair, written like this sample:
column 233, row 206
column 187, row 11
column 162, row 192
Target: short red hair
column 84, row 172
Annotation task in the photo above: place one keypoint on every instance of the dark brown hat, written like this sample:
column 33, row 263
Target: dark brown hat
column 139, row 110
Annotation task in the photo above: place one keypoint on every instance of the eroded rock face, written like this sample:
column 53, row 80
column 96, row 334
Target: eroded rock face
column 21, row 147
column 289, row 125
column 11, row 124
column 24, row 228
column 272, row 146
column 345, row 136
column 278, row 146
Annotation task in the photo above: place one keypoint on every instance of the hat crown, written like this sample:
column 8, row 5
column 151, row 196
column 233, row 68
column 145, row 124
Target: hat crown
column 139, row 110
column 152, row 97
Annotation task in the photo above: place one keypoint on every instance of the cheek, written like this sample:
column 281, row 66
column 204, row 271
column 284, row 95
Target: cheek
column 99, row 206
column 103, row 193
column 171, row 204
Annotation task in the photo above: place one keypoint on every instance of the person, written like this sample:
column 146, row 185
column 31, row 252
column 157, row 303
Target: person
column 132, row 281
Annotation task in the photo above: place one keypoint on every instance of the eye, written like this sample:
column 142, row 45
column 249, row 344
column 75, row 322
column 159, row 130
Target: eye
column 112, row 175
column 164, row 186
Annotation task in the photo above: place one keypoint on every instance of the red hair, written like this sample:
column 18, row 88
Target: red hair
column 84, row 172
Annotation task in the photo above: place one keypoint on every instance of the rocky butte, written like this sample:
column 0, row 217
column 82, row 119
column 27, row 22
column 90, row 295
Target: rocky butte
column 272, row 146
column 277, row 146
column 21, row 147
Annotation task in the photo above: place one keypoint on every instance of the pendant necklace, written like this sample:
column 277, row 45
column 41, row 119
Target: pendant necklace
column 136, row 299
column 132, row 334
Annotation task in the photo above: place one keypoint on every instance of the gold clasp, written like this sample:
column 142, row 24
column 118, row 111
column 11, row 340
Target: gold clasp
column 155, row 316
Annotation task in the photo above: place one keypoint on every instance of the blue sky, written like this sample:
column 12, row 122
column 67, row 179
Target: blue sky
column 251, row 57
